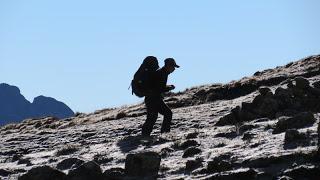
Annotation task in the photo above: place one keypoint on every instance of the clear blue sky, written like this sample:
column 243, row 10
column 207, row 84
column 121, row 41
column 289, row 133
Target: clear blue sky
column 84, row 53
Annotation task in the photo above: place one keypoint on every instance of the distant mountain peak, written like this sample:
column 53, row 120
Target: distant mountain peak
column 14, row 107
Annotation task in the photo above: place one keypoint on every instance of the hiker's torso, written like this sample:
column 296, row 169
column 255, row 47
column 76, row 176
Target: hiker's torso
column 158, row 82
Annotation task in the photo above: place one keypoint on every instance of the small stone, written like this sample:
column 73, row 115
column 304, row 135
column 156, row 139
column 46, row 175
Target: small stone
column 191, row 151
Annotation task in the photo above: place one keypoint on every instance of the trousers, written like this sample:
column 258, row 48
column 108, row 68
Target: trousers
column 156, row 105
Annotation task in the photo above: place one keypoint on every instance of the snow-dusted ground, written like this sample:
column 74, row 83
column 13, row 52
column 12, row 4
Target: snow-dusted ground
column 49, row 141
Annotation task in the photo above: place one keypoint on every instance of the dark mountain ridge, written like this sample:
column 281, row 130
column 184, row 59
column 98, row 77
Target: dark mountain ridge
column 14, row 107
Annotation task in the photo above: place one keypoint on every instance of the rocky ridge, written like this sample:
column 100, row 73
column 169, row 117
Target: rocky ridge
column 260, row 127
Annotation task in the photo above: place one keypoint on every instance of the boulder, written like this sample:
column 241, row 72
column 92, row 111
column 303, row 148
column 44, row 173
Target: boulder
column 302, row 83
column 89, row 170
column 229, row 119
column 144, row 164
column 293, row 138
column 267, row 108
column 299, row 121
column 283, row 93
column 41, row 173
column 314, row 91
column 291, row 135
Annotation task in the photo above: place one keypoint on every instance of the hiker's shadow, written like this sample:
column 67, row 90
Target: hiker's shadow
column 129, row 143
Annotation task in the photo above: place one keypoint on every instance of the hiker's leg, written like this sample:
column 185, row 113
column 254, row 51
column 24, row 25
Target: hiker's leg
column 152, row 115
column 167, row 116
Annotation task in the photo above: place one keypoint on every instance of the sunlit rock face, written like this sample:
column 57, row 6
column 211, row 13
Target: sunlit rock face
column 15, row 108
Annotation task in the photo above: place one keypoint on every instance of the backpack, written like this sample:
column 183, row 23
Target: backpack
column 142, row 78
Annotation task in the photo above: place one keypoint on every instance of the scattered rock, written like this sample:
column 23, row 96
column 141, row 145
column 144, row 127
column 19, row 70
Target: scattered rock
column 87, row 135
column 303, row 172
column 264, row 91
column 27, row 162
column 114, row 174
column 285, row 178
column 226, row 120
column 293, row 135
column 241, row 174
column 316, row 84
column 69, row 163
column 102, row 159
column 283, row 93
column 268, row 108
column 89, row 170
column 319, row 137
column 191, row 151
column 41, row 173
column 188, row 144
column 193, row 164
column 5, row 173
column 16, row 157
column 144, row 164
column 246, row 127
column 165, row 152
column 192, row 135
column 248, row 136
column 299, row 121
column 302, row 83
column 229, row 135
column 218, row 165
column 66, row 150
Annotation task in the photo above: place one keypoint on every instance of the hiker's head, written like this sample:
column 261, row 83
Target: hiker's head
column 170, row 64
column 151, row 62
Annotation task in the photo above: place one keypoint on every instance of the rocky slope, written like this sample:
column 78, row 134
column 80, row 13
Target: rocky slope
column 15, row 108
column 260, row 127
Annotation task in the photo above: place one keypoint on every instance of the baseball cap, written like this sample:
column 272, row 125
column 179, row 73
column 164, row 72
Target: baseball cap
column 171, row 62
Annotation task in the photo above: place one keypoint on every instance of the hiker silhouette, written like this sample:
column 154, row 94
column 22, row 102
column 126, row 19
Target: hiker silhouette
column 154, row 100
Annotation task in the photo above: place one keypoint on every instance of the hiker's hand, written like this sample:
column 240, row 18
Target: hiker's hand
column 171, row 87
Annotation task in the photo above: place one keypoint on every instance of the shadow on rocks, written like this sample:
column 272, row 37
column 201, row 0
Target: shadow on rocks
column 129, row 143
